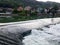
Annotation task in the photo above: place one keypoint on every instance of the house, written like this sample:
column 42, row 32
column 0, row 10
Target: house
column 39, row 9
column 28, row 8
column 33, row 10
column 6, row 10
column 20, row 8
column 1, row 10
column 9, row 10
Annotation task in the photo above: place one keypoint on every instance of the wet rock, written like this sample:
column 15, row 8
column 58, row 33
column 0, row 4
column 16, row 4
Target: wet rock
column 13, row 35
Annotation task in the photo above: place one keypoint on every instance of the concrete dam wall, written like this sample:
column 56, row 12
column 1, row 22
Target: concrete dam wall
column 13, row 33
column 38, row 23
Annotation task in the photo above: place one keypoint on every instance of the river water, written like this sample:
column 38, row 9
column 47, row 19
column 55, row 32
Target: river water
column 48, row 35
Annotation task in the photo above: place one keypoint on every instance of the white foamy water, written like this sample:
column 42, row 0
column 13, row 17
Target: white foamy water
column 47, row 36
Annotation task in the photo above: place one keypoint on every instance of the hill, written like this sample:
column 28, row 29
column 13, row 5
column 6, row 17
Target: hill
column 33, row 3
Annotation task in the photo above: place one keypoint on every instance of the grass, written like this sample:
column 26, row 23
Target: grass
column 21, row 18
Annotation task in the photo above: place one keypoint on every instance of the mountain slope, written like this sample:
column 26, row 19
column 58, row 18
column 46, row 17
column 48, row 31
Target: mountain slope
column 33, row 3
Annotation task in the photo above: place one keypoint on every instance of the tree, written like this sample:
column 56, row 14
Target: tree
column 15, row 11
column 54, row 11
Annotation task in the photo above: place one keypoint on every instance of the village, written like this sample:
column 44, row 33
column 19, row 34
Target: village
column 8, row 14
column 8, row 11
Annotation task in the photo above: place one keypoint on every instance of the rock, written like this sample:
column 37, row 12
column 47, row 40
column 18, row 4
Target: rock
column 12, row 35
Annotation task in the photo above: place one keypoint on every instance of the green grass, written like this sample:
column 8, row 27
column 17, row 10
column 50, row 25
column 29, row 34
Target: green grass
column 21, row 18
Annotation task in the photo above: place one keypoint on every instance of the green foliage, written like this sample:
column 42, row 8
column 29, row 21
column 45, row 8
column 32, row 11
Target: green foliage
column 34, row 13
column 22, row 13
column 55, row 7
column 16, row 3
column 15, row 11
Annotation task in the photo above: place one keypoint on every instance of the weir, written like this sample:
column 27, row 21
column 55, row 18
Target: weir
column 38, row 23
column 14, row 32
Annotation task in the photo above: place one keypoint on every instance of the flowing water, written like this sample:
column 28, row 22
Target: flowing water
column 44, row 36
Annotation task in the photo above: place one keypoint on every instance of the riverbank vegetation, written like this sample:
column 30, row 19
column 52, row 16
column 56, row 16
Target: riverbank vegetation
column 26, row 11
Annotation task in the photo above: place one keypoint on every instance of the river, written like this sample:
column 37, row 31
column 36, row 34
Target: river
column 44, row 36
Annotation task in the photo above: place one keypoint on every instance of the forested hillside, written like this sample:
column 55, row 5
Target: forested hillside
column 33, row 3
